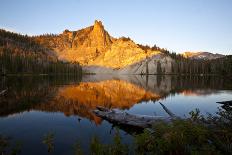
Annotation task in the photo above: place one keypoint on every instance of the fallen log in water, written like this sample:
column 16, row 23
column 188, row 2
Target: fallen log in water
column 124, row 118
column 3, row 92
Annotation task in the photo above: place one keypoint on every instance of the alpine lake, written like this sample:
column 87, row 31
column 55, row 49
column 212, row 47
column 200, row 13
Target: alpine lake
column 34, row 106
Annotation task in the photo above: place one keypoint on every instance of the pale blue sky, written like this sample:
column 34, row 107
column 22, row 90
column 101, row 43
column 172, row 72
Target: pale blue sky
column 178, row 25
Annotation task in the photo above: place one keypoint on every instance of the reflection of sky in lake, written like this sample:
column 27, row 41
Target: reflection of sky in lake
column 30, row 127
column 181, row 104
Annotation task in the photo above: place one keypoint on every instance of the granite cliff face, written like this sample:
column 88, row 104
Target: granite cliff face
column 83, row 45
column 158, row 63
column 99, row 52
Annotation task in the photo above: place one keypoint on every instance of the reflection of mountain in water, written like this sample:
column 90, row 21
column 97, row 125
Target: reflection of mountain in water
column 73, row 98
column 83, row 98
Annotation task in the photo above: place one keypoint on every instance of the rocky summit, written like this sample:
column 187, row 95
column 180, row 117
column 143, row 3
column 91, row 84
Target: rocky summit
column 83, row 46
column 97, row 51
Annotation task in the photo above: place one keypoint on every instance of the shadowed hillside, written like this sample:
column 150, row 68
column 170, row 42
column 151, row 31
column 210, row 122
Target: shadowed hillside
column 20, row 54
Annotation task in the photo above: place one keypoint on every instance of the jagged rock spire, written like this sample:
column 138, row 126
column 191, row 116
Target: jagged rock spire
column 98, row 24
column 101, row 37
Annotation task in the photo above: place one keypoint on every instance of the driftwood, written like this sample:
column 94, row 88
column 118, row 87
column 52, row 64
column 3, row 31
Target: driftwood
column 124, row 118
column 3, row 92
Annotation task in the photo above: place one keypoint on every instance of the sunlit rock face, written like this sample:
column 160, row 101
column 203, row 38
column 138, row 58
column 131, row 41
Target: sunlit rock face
column 82, row 46
column 96, row 50
column 121, row 54
column 99, row 38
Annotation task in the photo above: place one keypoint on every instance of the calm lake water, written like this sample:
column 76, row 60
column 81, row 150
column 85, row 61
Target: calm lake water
column 37, row 105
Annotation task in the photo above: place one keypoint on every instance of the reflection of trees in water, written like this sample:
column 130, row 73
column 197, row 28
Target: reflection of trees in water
column 208, row 82
column 198, row 85
column 24, row 92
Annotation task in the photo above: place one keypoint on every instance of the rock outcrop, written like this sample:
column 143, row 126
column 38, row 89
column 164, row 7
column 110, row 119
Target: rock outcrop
column 82, row 46
column 98, row 52
column 156, row 64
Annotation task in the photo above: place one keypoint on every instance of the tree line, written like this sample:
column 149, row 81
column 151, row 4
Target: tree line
column 182, row 65
column 20, row 54
column 222, row 66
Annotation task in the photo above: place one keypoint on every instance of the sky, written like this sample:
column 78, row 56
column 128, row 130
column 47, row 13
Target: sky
column 178, row 25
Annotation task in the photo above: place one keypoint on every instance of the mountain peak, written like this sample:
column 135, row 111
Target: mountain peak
column 98, row 26
column 98, row 23
column 100, row 37
column 93, row 46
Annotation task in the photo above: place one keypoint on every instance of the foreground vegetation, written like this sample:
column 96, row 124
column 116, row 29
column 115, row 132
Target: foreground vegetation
column 195, row 135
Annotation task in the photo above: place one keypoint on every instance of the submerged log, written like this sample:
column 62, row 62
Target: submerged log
column 168, row 111
column 124, row 118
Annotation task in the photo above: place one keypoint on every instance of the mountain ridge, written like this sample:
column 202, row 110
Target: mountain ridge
column 98, row 52
column 202, row 55
column 94, row 46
